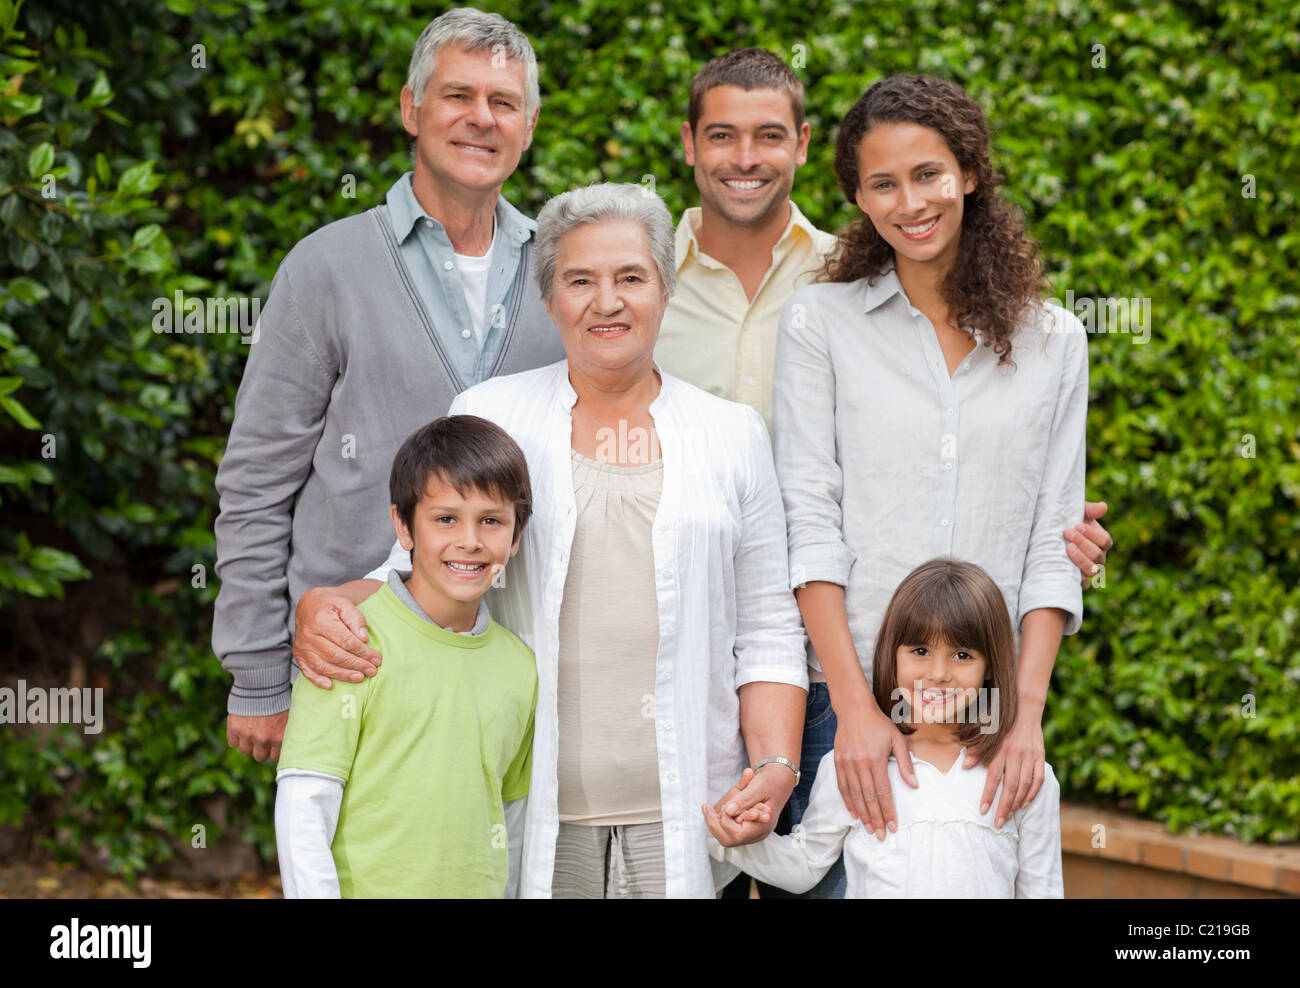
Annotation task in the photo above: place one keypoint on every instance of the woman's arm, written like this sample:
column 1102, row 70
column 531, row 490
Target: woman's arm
column 864, row 735
column 812, row 483
column 1050, row 598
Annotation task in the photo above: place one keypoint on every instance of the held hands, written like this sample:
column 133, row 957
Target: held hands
column 863, row 744
column 329, row 640
column 749, row 809
column 1087, row 543
column 1021, row 757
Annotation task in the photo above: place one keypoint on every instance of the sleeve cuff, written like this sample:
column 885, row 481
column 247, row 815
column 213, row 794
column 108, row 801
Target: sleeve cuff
column 820, row 564
column 263, row 683
column 1069, row 600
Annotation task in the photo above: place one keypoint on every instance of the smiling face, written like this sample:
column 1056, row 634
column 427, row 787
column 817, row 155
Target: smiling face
column 606, row 297
column 948, row 676
column 471, row 128
column 460, row 542
column 913, row 190
column 744, row 150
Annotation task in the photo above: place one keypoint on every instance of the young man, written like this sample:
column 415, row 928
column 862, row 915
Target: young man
column 411, row 784
column 740, row 255
column 373, row 324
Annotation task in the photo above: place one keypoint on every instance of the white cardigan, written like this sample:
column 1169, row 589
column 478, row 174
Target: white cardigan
column 727, row 616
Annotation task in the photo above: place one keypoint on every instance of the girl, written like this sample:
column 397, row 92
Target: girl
column 927, row 403
column 945, row 669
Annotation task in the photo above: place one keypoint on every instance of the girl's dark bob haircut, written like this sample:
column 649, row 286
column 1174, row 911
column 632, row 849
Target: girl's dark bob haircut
column 958, row 604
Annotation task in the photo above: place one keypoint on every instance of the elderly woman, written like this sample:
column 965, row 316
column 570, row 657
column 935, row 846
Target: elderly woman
column 651, row 583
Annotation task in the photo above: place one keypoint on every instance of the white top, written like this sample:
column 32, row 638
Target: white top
column 944, row 847
column 726, row 613
column 473, row 279
column 885, row 461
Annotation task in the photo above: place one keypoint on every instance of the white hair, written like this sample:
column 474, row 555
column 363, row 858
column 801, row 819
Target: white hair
column 606, row 201
column 476, row 31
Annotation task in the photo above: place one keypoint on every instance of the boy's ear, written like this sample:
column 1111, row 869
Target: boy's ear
column 403, row 536
column 519, row 535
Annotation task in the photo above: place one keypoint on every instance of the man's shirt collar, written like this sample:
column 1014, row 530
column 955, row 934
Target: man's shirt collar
column 687, row 242
column 405, row 211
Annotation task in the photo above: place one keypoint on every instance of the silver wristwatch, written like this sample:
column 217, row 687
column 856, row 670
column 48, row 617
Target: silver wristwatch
column 781, row 761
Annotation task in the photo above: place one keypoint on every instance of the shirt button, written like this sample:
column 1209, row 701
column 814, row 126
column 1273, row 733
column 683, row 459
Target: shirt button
column 428, row 222
column 947, row 466
column 749, row 378
column 464, row 333
column 674, row 828
column 668, row 726
column 950, row 412
column 667, row 574
column 448, row 265
column 672, row 776
column 944, row 523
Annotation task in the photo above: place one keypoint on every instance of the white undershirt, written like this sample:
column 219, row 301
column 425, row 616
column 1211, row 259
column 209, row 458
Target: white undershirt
column 473, row 280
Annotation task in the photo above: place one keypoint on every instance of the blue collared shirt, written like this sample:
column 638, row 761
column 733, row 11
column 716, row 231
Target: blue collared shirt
column 428, row 255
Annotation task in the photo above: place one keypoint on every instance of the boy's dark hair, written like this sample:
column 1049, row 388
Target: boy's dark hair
column 467, row 453
column 957, row 603
column 747, row 68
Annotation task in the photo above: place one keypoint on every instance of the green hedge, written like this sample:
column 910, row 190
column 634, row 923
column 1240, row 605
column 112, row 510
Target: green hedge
column 1156, row 157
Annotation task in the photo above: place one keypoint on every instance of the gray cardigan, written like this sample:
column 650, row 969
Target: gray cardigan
column 345, row 366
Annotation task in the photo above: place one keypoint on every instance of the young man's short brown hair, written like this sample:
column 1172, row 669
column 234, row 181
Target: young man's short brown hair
column 465, row 452
column 747, row 68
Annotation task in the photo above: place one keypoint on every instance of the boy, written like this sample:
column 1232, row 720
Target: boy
column 412, row 782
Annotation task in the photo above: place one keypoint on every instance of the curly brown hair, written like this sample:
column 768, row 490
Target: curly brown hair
column 997, row 273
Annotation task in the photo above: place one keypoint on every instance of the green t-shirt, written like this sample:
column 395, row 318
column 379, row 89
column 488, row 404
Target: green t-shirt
column 429, row 749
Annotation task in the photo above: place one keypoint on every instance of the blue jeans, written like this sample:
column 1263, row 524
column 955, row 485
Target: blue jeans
column 818, row 738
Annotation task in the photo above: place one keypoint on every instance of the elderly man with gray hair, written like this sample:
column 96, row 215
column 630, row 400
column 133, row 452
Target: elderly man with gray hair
column 372, row 325
column 651, row 582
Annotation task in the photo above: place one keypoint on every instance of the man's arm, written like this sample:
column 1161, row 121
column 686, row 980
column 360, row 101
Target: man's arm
column 278, row 421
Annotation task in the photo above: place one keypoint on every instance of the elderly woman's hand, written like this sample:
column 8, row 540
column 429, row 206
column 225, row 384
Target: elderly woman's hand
column 746, row 827
column 748, row 811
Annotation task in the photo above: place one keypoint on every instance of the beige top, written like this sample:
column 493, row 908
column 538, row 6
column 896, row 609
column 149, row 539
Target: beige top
column 608, row 770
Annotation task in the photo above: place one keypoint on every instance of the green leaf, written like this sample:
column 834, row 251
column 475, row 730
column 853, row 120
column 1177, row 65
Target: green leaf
column 27, row 291
column 137, row 180
column 20, row 105
column 20, row 414
column 146, row 235
column 100, row 93
column 40, row 160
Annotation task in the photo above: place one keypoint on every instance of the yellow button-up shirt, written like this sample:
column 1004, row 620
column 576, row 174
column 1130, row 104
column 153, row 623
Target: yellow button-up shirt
column 717, row 339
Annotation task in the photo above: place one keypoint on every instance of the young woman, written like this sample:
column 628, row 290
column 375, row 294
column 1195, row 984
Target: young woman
column 928, row 404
